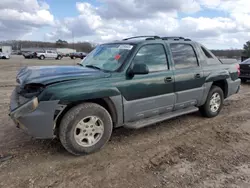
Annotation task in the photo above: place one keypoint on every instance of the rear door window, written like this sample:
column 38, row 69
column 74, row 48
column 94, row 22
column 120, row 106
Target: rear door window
column 184, row 56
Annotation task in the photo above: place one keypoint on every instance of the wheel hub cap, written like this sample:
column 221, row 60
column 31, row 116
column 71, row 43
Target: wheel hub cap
column 89, row 131
column 215, row 102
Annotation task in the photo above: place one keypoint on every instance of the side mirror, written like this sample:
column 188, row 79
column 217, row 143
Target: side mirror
column 140, row 68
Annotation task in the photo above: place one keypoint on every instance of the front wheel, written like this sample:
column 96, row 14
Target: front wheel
column 42, row 57
column 214, row 102
column 59, row 57
column 85, row 128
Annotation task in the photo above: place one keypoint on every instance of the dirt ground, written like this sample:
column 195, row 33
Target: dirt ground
column 189, row 151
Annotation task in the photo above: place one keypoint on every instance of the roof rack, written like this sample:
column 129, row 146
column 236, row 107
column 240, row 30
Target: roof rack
column 175, row 38
column 153, row 37
column 147, row 37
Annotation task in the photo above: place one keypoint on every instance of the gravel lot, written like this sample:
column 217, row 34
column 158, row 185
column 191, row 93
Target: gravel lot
column 189, row 151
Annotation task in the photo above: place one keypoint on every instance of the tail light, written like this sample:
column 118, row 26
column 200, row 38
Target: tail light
column 238, row 69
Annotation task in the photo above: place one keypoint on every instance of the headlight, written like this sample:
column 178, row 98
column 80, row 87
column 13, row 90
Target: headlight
column 27, row 107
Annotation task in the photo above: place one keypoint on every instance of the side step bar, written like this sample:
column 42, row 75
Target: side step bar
column 156, row 119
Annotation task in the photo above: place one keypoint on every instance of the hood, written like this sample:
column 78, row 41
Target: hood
column 245, row 65
column 3, row 54
column 51, row 74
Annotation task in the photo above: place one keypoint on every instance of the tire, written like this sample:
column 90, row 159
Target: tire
column 205, row 109
column 42, row 57
column 68, row 129
column 59, row 57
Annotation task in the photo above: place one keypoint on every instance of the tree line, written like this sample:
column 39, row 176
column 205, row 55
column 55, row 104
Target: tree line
column 78, row 46
column 230, row 53
column 234, row 53
column 87, row 47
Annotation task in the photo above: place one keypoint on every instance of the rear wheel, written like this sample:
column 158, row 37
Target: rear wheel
column 85, row 129
column 214, row 102
column 59, row 57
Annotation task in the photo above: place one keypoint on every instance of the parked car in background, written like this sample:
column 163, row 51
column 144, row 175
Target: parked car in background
column 245, row 70
column 62, row 54
column 80, row 55
column 134, row 83
column 30, row 55
column 4, row 55
column 66, row 54
column 49, row 54
column 14, row 52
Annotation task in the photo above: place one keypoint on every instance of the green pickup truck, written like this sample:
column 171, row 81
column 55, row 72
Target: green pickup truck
column 134, row 82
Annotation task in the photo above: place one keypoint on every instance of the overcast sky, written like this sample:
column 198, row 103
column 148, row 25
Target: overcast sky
column 215, row 23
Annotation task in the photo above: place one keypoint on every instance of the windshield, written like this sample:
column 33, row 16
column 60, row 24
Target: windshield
column 107, row 57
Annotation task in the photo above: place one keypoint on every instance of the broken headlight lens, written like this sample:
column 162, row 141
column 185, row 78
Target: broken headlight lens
column 27, row 107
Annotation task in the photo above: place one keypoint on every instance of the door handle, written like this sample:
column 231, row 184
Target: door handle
column 197, row 76
column 168, row 79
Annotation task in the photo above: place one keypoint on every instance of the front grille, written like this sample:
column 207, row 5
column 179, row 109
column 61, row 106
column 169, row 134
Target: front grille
column 245, row 73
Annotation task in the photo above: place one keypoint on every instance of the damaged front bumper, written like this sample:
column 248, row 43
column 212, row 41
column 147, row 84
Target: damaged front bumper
column 34, row 117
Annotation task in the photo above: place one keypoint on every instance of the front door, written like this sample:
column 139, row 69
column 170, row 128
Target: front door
column 188, row 74
column 151, row 94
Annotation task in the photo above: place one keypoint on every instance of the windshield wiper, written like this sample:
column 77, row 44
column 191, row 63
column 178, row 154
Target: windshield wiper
column 93, row 66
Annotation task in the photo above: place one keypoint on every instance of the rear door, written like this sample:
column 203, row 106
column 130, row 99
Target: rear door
column 53, row 54
column 49, row 54
column 188, row 75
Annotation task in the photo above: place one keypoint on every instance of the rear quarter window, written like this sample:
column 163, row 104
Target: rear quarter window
column 208, row 56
